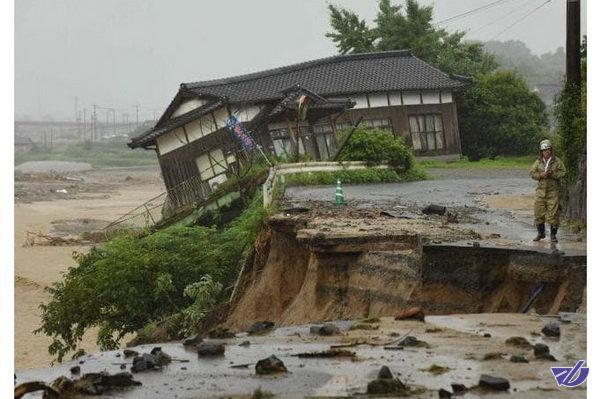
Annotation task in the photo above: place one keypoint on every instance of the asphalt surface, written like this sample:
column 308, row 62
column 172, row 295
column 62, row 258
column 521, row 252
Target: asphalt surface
column 461, row 190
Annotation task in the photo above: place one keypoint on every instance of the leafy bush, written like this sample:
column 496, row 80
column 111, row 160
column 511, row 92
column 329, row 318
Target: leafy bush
column 129, row 282
column 499, row 115
column 360, row 176
column 376, row 146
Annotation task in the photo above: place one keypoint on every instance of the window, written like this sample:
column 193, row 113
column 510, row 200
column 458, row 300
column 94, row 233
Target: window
column 379, row 123
column 427, row 132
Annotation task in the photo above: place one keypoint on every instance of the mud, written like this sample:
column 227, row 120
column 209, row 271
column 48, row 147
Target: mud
column 108, row 194
column 458, row 345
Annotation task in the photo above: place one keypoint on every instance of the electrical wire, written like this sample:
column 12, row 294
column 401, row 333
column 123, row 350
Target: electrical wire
column 467, row 13
column 472, row 31
column 521, row 19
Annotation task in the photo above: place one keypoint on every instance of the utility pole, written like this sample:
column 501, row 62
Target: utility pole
column 137, row 115
column 94, row 123
column 574, row 44
column 84, row 126
column 114, row 122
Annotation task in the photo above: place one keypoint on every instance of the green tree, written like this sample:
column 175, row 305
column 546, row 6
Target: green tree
column 518, row 116
column 499, row 115
column 570, row 112
column 408, row 28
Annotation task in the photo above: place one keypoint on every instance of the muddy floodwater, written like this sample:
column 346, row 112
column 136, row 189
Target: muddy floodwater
column 455, row 343
column 66, row 204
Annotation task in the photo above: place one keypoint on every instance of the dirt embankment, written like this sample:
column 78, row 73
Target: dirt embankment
column 301, row 273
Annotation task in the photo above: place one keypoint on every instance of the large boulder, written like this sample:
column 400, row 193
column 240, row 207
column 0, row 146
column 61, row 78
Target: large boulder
column 270, row 365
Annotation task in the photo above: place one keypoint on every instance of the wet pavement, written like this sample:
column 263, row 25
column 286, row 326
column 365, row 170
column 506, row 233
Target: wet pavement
column 457, row 344
column 464, row 191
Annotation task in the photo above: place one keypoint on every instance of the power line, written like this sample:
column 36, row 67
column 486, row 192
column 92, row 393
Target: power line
column 520, row 7
column 467, row 13
column 521, row 19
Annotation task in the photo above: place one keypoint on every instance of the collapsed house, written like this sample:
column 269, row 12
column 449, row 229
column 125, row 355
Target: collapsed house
column 204, row 134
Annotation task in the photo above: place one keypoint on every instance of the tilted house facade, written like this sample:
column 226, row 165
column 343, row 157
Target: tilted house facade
column 391, row 90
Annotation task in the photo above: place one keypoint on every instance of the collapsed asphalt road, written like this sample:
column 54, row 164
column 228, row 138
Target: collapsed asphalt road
column 468, row 192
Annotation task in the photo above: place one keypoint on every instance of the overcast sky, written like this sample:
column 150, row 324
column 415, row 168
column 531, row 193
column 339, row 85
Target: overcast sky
column 118, row 53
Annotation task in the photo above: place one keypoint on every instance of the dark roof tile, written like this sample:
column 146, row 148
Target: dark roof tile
column 337, row 75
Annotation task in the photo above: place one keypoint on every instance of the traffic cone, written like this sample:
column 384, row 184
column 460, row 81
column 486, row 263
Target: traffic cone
column 339, row 194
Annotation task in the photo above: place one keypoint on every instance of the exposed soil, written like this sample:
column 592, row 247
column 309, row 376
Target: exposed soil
column 102, row 196
column 311, row 267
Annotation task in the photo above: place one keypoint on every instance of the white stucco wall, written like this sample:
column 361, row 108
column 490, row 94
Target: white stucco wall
column 171, row 140
column 411, row 97
column 430, row 97
column 187, row 106
column 446, row 97
column 378, row 100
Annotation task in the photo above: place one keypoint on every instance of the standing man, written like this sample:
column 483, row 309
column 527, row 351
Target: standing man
column 548, row 170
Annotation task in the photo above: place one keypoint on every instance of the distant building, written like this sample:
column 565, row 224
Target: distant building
column 24, row 145
column 390, row 90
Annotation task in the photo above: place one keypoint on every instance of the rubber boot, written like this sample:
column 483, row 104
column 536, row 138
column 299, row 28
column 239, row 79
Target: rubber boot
column 541, row 228
column 553, row 231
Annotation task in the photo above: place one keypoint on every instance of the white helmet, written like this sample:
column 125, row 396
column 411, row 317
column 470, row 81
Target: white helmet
column 545, row 144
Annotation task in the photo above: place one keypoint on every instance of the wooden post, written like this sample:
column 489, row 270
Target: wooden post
column 315, row 144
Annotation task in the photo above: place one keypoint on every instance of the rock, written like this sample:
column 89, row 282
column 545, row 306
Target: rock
column 130, row 353
column 270, row 365
column 245, row 343
column 208, row 349
column 519, row 342
column 494, row 383
column 443, row 394
column 192, row 340
column 487, row 335
column 385, row 373
column 411, row 314
column 221, row 333
column 518, row 359
column 100, row 383
column 75, row 370
column 386, row 386
column 551, row 329
column 123, row 366
column 262, row 327
column 458, row 389
column 145, row 362
column 434, row 209
column 325, row 330
column 540, row 349
column 413, row 342
column 476, row 244
column 161, row 357
column 542, row 352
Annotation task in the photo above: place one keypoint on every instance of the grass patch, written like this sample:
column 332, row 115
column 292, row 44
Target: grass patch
column 521, row 162
column 360, row 176
column 99, row 155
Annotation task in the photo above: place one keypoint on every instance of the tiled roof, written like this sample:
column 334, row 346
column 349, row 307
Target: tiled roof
column 340, row 75
column 337, row 75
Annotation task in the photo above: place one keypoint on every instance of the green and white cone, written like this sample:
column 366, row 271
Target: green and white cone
column 339, row 194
